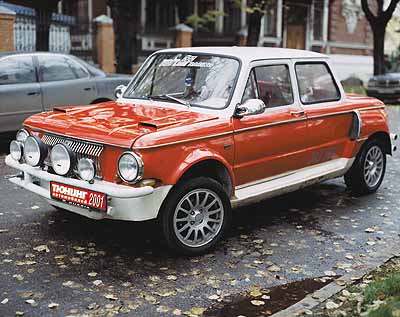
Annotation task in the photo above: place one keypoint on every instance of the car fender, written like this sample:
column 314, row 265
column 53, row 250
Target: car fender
column 197, row 156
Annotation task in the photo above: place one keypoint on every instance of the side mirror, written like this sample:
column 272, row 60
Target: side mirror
column 119, row 91
column 250, row 107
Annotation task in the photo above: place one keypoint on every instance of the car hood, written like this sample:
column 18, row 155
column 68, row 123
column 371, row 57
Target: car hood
column 113, row 123
column 388, row 76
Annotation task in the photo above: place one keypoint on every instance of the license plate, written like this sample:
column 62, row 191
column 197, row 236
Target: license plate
column 385, row 90
column 78, row 196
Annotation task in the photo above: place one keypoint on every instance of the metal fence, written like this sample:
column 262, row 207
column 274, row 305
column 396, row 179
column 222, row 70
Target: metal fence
column 28, row 22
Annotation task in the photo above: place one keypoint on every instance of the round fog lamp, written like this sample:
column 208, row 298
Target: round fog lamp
column 86, row 169
column 35, row 151
column 62, row 159
column 22, row 135
column 16, row 150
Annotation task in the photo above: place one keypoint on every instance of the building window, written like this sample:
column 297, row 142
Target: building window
column 270, row 19
column 318, row 20
column 160, row 16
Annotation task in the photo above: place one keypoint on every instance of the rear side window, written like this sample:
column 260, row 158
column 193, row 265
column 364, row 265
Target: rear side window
column 58, row 67
column 316, row 83
column 17, row 70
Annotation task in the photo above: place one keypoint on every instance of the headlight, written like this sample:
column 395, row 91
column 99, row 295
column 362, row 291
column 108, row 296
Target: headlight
column 130, row 167
column 62, row 159
column 22, row 135
column 372, row 83
column 86, row 169
column 35, row 151
column 16, row 150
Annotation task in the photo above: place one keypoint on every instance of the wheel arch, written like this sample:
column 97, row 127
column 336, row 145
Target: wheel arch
column 384, row 138
column 212, row 167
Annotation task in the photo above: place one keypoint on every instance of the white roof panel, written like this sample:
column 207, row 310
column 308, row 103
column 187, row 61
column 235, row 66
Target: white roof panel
column 248, row 54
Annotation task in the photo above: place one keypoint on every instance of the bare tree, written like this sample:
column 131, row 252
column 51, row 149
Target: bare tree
column 125, row 14
column 378, row 19
column 256, row 11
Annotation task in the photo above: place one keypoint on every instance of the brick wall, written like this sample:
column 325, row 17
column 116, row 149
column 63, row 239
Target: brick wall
column 6, row 31
column 338, row 32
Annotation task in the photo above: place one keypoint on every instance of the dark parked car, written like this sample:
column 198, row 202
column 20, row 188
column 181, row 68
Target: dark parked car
column 385, row 87
column 36, row 82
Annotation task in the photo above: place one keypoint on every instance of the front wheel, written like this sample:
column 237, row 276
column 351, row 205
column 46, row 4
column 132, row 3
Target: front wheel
column 368, row 170
column 195, row 216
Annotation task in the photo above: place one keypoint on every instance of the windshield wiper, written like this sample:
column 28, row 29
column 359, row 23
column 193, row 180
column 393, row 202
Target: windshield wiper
column 170, row 97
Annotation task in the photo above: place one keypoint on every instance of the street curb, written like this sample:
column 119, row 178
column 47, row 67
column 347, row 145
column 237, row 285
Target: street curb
column 313, row 300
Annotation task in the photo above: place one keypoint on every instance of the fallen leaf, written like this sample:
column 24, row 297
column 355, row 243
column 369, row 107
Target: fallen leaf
column 92, row 274
column 97, row 282
column 257, row 302
column 53, row 305
column 41, row 248
column 213, row 297
column 4, row 301
column 172, row 277
column 274, row 268
column 111, row 297
column 162, row 309
column 331, row 305
column 255, row 293
column 370, row 230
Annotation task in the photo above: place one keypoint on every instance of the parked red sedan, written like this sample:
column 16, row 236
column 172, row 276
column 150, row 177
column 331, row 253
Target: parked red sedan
column 200, row 131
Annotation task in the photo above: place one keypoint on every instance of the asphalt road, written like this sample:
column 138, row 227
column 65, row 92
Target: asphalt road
column 56, row 263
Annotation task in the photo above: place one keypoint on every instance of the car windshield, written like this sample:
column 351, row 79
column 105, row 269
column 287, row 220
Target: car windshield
column 190, row 79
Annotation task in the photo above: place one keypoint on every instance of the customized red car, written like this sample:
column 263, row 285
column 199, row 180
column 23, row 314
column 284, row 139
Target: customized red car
column 199, row 131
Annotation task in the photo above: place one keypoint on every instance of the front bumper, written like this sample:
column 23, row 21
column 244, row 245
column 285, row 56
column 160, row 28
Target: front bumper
column 394, row 95
column 124, row 202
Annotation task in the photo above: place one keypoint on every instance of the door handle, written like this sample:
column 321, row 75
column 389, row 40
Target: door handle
column 87, row 88
column 33, row 93
column 298, row 113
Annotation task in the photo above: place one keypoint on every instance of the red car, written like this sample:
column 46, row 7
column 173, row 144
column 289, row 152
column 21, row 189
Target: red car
column 199, row 131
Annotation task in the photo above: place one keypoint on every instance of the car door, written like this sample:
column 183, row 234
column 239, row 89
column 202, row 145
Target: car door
column 20, row 94
column 271, row 143
column 328, row 125
column 64, row 82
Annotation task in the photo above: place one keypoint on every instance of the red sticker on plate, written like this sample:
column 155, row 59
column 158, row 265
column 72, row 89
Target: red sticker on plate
column 78, row 196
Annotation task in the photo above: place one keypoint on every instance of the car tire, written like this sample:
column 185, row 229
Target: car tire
column 368, row 170
column 195, row 216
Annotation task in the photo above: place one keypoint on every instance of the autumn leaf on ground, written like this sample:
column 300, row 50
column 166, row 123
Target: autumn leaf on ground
column 41, row 248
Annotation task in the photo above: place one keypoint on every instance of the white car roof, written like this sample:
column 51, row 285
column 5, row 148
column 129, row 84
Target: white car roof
column 248, row 54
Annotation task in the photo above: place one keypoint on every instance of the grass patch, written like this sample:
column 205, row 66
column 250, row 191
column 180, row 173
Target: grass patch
column 355, row 90
column 391, row 309
column 387, row 287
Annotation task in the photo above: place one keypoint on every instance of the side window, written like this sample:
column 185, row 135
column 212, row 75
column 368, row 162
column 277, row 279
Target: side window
column 250, row 92
column 17, row 70
column 56, row 68
column 274, row 85
column 316, row 83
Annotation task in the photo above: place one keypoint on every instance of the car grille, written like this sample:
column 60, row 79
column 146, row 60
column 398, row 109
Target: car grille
column 82, row 149
column 388, row 83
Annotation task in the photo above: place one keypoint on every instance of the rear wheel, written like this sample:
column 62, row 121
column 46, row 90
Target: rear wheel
column 367, row 173
column 195, row 216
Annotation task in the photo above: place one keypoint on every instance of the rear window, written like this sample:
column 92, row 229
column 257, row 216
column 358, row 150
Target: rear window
column 316, row 83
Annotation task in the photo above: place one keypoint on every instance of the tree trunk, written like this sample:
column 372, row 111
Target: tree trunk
column 254, row 28
column 379, row 49
column 43, row 22
column 123, row 43
column 125, row 15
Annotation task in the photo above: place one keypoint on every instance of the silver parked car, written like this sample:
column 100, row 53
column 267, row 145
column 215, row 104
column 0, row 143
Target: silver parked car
column 36, row 82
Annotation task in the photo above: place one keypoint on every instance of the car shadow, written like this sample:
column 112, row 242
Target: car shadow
column 5, row 139
column 144, row 239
